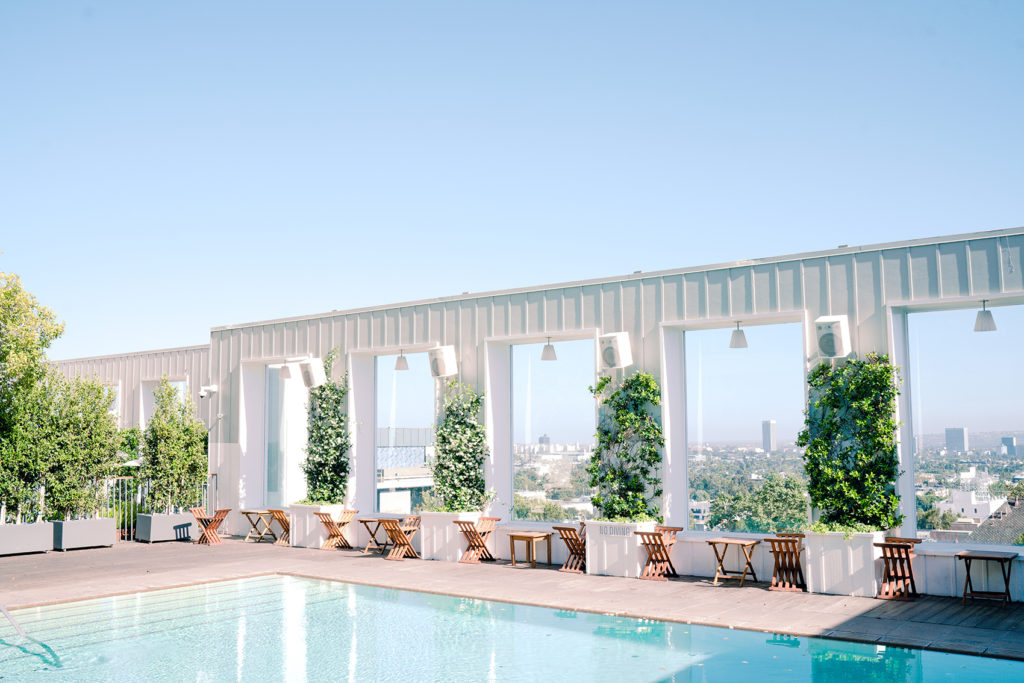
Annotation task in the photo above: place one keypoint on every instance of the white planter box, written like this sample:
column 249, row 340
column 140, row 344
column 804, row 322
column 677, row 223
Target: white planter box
column 84, row 533
column 614, row 550
column 844, row 566
column 441, row 539
column 307, row 531
column 151, row 528
column 36, row 537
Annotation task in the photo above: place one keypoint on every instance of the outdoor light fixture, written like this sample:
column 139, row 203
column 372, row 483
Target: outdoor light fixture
column 285, row 372
column 739, row 339
column 401, row 363
column 984, row 322
column 548, row 352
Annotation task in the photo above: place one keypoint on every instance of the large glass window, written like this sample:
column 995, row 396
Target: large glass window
column 968, row 420
column 405, row 433
column 744, row 411
column 553, row 415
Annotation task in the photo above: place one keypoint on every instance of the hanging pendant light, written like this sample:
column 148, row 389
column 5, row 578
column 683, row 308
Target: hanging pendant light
column 984, row 322
column 401, row 363
column 285, row 372
column 548, row 352
column 739, row 338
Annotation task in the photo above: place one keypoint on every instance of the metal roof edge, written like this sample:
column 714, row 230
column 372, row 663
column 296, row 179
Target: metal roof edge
column 882, row 246
column 198, row 347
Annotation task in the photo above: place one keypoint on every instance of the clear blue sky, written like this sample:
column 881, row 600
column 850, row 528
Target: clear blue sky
column 169, row 167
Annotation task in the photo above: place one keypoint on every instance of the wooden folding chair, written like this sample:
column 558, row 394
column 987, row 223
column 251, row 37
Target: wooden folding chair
column 476, row 538
column 281, row 517
column 658, row 544
column 787, row 574
column 336, row 528
column 209, row 525
column 576, row 543
column 401, row 537
column 898, row 571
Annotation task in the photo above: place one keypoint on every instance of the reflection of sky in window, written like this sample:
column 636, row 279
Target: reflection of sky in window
column 412, row 391
column 554, row 393
column 963, row 378
column 737, row 389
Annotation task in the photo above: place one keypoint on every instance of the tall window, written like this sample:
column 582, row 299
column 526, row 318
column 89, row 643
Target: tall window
column 968, row 423
column 744, row 411
column 405, row 433
column 553, row 429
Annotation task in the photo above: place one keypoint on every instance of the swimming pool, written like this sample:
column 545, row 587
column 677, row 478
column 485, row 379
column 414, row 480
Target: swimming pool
column 289, row 628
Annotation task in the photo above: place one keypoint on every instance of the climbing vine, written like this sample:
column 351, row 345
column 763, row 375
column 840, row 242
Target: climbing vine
column 850, row 437
column 460, row 447
column 626, row 461
column 327, row 461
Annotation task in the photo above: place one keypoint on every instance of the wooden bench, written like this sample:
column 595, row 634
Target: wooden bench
column 787, row 575
column 476, row 538
column 658, row 544
column 1005, row 560
column 576, row 543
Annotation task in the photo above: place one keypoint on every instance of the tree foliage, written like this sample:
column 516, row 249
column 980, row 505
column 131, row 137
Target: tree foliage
column 850, row 439
column 778, row 504
column 174, row 450
column 625, row 466
column 327, row 461
column 26, row 330
column 460, row 447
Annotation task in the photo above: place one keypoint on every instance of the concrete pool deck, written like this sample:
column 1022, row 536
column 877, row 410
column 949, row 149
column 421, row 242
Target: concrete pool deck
column 938, row 623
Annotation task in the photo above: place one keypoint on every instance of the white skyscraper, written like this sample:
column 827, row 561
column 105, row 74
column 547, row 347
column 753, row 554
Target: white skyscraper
column 768, row 436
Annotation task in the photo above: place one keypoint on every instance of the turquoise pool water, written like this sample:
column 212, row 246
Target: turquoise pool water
column 287, row 628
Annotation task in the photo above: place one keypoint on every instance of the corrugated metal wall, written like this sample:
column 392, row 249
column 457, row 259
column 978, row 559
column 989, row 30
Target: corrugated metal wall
column 131, row 370
column 859, row 282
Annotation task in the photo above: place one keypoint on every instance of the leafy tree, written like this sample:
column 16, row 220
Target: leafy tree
column 850, row 440
column 83, row 444
column 26, row 330
column 327, row 461
column 174, row 450
column 625, row 465
column 777, row 505
column 460, row 446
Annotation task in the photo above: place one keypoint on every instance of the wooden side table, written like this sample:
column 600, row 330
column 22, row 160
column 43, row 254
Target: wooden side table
column 1005, row 560
column 530, row 538
column 746, row 546
column 258, row 519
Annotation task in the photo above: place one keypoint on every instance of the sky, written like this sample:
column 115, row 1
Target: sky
column 170, row 167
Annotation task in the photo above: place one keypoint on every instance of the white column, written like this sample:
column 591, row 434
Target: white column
column 498, row 419
column 675, row 505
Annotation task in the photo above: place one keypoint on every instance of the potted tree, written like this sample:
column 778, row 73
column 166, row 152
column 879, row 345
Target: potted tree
column 22, row 472
column 624, row 468
column 459, row 491
column 175, row 463
column 850, row 457
column 83, row 453
column 327, row 465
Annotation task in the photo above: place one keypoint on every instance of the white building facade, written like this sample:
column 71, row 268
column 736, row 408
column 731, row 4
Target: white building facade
column 874, row 287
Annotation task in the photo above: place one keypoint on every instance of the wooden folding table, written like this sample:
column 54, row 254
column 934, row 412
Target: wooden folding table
column 745, row 545
column 258, row 519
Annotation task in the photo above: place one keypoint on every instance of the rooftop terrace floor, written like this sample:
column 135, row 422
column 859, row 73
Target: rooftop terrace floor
column 980, row 627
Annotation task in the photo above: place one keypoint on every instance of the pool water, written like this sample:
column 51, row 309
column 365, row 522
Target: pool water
column 288, row 628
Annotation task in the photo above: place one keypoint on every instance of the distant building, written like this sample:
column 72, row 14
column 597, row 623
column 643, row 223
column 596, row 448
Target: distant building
column 956, row 439
column 1004, row 527
column 1009, row 445
column 974, row 505
column 768, row 436
column 544, row 441
column 700, row 510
